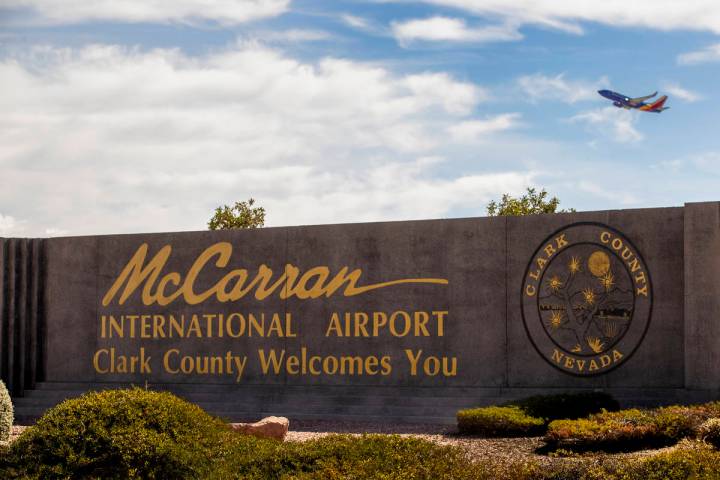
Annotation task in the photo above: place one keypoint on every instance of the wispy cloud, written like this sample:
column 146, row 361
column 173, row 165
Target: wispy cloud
column 226, row 12
column 543, row 87
column 473, row 130
column 705, row 163
column 9, row 226
column 293, row 36
column 698, row 15
column 445, row 29
column 615, row 194
column 355, row 21
column 683, row 94
column 612, row 123
column 709, row 54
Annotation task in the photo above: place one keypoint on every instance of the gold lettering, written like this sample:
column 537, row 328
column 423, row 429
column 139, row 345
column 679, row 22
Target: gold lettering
column 393, row 327
column 440, row 322
column 361, row 320
column 139, row 273
column 272, row 360
column 560, row 241
column 414, row 359
column 421, row 320
column 135, row 274
column 166, row 360
column 96, row 361
column 386, row 366
column 334, row 326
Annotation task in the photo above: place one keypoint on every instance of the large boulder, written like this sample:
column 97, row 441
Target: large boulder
column 269, row 427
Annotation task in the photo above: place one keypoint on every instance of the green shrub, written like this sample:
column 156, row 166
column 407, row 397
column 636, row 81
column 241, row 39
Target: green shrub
column 6, row 413
column 630, row 429
column 709, row 432
column 567, row 405
column 120, row 434
column 348, row 457
column 498, row 421
column 692, row 460
column 530, row 415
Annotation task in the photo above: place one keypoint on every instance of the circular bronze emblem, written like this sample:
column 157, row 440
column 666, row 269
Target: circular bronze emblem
column 586, row 299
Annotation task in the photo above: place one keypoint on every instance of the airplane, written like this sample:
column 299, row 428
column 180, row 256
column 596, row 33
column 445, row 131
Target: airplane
column 621, row 101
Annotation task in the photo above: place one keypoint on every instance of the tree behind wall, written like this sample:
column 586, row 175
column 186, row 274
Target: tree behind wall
column 241, row 215
column 533, row 202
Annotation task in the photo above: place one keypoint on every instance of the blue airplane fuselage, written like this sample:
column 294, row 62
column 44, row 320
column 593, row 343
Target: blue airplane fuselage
column 618, row 99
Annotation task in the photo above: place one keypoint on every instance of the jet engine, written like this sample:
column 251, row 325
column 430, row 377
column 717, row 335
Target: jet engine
column 618, row 104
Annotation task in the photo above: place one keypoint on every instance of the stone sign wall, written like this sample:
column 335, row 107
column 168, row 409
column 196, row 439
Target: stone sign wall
column 469, row 309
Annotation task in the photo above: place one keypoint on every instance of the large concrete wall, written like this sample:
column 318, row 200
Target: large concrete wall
column 626, row 301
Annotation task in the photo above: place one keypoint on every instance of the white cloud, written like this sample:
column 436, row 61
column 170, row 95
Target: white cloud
column 683, row 94
column 439, row 88
column 355, row 21
column 610, row 122
column 450, row 30
column 708, row 162
column 9, row 226
column 296, row 35
column 106, row 139
column 472, row 130
column 703, row 163
column 709, row 54
column 703, row 15
column 543, row 87
column 55, row 232
column 226, row 12
column 608, row 194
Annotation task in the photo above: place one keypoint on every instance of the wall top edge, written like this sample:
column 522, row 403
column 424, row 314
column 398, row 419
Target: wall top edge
column 379, row 223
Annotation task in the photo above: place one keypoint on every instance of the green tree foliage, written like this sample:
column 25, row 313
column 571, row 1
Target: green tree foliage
column 241, row 215
column 529, row 204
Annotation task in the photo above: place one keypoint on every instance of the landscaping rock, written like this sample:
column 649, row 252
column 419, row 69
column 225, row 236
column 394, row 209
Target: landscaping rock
column 269, row 427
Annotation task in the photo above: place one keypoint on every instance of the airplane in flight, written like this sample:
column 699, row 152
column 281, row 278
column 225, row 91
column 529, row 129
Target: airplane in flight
column 621, row 101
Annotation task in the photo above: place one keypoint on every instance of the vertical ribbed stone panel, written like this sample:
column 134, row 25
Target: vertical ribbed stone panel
column 21, row 313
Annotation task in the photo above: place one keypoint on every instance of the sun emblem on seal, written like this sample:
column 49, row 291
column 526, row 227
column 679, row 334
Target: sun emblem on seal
column 586, row 299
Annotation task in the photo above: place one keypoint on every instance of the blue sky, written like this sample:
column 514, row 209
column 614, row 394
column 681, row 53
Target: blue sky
column 132, row 116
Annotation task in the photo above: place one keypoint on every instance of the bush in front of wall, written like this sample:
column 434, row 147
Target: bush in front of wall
column 120, row 434
column 509, row 421
column 6, row 413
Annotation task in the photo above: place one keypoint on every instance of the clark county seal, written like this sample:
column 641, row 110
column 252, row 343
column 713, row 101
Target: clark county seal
column 586, row 299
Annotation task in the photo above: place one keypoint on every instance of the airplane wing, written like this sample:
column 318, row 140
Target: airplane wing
column 638, row 100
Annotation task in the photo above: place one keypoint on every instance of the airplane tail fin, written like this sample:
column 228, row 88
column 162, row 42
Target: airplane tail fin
column 657, row 106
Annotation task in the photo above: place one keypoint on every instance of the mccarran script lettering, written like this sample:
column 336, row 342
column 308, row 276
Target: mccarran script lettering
column 163, row 289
